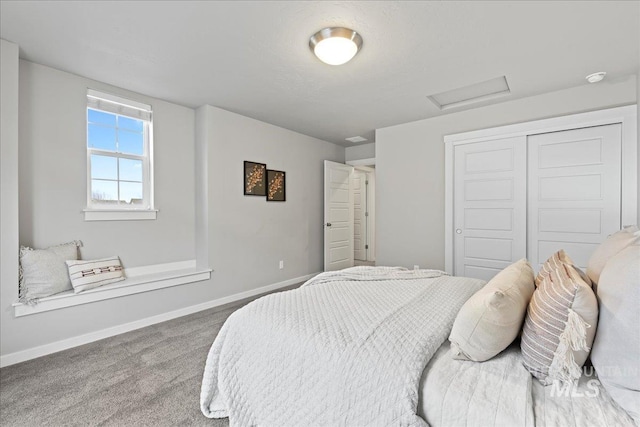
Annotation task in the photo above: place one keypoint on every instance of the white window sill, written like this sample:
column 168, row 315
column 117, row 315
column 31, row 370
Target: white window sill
column 119, row 214
column 140, row 279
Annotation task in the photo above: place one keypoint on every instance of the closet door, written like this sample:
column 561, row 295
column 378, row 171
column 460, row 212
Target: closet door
column 489, row 206
column 574, row 191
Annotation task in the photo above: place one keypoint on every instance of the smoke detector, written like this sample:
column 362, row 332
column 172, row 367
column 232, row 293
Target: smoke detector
column 596, row 77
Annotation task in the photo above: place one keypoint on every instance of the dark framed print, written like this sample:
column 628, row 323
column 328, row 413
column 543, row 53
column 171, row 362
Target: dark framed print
column 255, row 179
column 276, row 186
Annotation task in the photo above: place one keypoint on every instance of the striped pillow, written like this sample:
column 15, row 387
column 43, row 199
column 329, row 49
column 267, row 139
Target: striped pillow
column 560, row 324
column 92, row 274
column 554, row 262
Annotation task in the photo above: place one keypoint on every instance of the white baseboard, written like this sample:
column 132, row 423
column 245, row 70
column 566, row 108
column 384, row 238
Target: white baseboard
column 43, row 350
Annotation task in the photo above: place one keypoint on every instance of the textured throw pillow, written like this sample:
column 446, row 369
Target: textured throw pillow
column 43, row 272
column 492, row 318
column 554, row 262
column 560, row 324
column 616, row 348
column 612, row 245
column 92, row 274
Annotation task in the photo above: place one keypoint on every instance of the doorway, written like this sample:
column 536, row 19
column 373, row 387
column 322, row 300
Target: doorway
column 340, row 220
column 363, row 187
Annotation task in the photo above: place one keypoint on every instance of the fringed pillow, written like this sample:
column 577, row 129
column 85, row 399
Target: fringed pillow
column 43, row 272
column 560, row 324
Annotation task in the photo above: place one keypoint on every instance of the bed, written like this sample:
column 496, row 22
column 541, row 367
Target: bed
column 368, row 346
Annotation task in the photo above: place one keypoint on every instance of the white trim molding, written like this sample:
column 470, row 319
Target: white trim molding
column 140, row 279
column 362, row 162
column 626, row 116
column 43, row 350
column 119, row 215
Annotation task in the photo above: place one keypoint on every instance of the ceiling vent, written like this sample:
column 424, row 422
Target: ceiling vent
column 471, row 94
column 356, row 139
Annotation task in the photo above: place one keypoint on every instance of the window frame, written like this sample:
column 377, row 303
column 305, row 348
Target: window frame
column 121, row 210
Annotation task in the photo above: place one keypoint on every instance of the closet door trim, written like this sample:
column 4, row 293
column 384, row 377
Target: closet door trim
column 626, row 116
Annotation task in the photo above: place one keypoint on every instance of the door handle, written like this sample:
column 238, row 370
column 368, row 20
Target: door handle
column 458, row 231
column 328, row 224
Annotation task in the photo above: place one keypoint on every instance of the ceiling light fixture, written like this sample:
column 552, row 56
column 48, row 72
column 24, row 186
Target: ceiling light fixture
column 596, row 77
column 335, row 45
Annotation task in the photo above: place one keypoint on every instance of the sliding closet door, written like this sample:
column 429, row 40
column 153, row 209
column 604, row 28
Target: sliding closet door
column 489, row 206
column 574, row 191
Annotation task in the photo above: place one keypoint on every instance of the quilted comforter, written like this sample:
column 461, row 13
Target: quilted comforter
column 346, row 348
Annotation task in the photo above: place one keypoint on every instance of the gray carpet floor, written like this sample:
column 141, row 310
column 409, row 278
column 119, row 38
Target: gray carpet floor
column 147, row 377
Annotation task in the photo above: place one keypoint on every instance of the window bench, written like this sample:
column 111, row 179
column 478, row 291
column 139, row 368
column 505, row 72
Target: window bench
column 139, row 279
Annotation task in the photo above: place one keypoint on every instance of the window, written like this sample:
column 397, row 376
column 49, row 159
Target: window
column 119, row 154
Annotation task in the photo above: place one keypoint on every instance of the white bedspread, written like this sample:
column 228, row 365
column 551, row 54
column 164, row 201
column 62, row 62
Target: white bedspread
column 337, row 352
column 500, row 392
column 465, row 393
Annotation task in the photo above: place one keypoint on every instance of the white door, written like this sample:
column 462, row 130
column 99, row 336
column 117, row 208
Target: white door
column 489, row 206
column 359, row 181
column 338, row 216
column 574, row 191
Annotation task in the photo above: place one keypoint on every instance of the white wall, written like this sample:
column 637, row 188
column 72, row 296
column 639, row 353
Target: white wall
column 242, row 238
column 359, row 152
column 410, row 166
column 9, row 76
column 53, row 173
column 52, row 185
column 248, row 236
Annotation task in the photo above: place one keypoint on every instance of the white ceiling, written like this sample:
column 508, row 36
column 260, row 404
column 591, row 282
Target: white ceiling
column 253, row 57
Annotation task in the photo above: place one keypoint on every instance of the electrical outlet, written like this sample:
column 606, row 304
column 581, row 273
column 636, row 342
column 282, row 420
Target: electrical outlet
column 281, row 265
column 416, row 267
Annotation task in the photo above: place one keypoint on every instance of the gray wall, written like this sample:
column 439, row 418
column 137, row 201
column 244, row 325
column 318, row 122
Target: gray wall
column 248, row 236
column 53, row 173
column 243, row 238
column 52, row 185
column 410, row 166
column 364, row 151
column 9, row 76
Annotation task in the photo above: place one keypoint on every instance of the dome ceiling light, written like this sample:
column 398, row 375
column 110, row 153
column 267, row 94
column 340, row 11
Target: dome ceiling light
column 335, row 45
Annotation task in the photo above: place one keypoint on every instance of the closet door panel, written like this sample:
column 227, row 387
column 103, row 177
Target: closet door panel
column 489, row 206
column 574, row 191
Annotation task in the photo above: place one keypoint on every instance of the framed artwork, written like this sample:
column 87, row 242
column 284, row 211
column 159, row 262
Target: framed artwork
column 255, row 179
column 276, row 185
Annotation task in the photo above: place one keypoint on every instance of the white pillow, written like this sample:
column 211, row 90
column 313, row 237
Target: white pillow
column 616, row 242
column 616, row 348
column 92, row 274
column 43, row 272
column 491, row 319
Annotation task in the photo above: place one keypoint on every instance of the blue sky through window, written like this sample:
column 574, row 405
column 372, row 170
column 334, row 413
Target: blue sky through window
column 112, row 132
column 103, row 167
column 130, row 170
column 115, row 178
